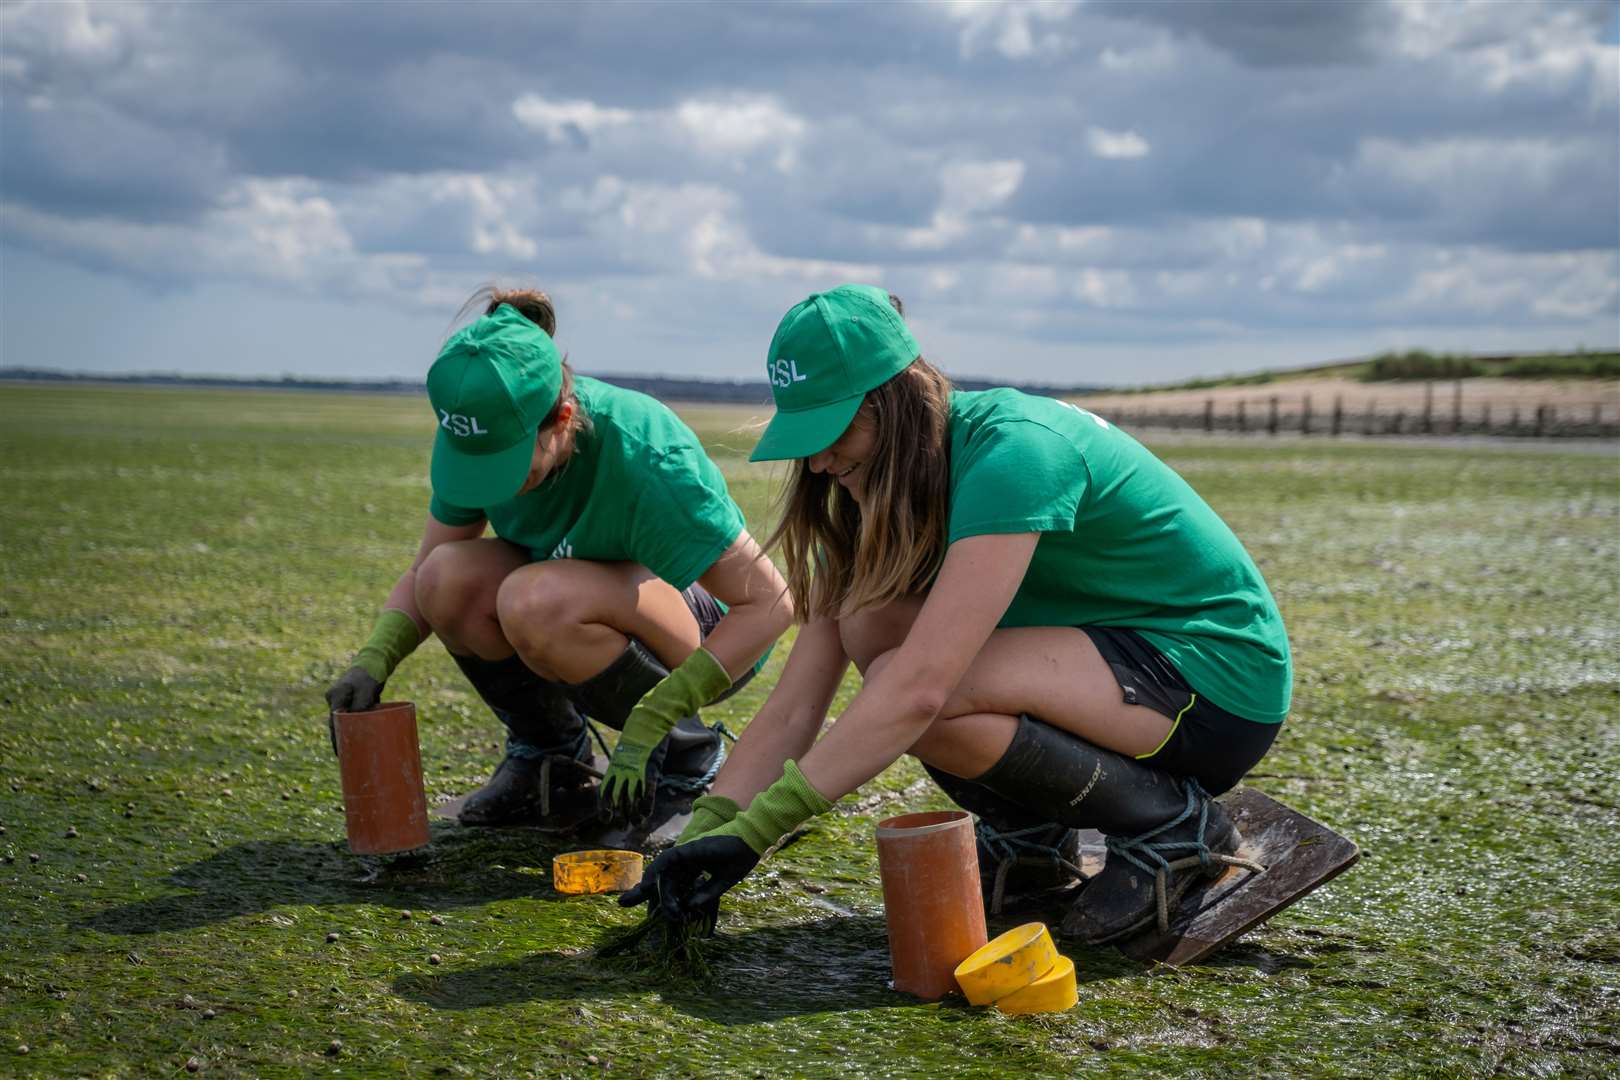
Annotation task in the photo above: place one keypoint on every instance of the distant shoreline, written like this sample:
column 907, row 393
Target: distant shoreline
column 731, row 391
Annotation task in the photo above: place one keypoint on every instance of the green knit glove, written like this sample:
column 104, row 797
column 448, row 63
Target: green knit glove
column 776, row 811
column 393, row 638
column 709, row 812
column 696, row 682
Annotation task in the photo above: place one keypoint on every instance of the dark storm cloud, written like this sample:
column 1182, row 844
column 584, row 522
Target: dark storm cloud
column 1271, row 33
column 84, row 159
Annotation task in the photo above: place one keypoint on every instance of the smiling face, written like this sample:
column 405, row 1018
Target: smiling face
column 847, row 459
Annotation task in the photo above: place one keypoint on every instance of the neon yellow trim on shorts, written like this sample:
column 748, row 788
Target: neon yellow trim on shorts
column 1191, row 701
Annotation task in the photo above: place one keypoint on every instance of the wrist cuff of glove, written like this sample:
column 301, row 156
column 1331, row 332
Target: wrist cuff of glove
column 393, row 637
column 708, row 676
column 698, row 680
column 779, row 809
column 708, row 812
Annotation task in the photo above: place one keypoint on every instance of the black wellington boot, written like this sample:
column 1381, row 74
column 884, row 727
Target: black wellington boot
column 678, row 770
column 1023, row 858
column 1164, row 833
column 549, row 772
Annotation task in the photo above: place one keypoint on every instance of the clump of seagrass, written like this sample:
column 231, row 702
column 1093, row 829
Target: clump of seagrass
column 660, row 944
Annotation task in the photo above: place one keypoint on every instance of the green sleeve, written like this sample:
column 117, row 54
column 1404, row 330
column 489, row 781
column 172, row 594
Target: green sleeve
column 446, row 514
column 684, row 518
column 1017, row 477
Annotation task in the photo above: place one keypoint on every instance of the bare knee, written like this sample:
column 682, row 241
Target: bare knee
column 535, row 603
column 869, row 634
column 951, row 744
column 451, row 587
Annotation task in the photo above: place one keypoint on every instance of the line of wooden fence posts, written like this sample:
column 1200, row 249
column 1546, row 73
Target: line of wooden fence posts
column 1600, row 420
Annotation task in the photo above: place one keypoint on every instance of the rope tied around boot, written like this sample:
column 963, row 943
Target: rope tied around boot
column 574, row 754
column 698, row 784
column 1138, row 850
column 1014, row 847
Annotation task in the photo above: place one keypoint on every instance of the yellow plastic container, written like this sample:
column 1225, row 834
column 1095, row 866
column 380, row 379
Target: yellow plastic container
column 1008, row 963
column 601, row 871
column 1053, row 992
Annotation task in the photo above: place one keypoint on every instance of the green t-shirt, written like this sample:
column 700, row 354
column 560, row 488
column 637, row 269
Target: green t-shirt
column 637, row 488
column 1124, row 542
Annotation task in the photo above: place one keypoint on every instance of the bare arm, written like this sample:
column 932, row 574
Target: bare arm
column 976, row 584
column 435, row 532
column 759, row 608
column 791, row 718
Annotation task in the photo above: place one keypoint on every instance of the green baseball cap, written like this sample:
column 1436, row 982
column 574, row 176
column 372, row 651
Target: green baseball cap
column 493, row 383
column 829, row 350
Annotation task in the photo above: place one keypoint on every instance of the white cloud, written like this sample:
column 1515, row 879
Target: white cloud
column 690, row 229
column 559, row 121
column 973, row 186
column 1116, row 144
column 969, row 190
column 1105, row 288
column 1012, row 28
column 1566, row 285
column 267, row 231
column 70, row 29
column 1518, row 46
column 1455, row 164
column 493, row 204
column 741, row 126
column 1314, row 273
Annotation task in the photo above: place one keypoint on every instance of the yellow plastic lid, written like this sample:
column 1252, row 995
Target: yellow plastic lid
column 1053, row 992
column 1007, row 963
column 600, row 871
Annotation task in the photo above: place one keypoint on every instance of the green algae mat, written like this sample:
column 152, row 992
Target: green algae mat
column 184, row 571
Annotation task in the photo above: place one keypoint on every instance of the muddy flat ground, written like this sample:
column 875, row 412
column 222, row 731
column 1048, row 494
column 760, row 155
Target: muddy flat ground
column 185, row 572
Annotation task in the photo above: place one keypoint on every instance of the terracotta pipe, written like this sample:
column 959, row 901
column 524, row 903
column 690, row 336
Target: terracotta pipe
column 384, row 806
column 931, row 899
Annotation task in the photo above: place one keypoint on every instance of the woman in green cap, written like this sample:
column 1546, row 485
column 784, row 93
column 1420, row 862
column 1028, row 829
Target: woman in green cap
column 620, row 584
column 1045, row 614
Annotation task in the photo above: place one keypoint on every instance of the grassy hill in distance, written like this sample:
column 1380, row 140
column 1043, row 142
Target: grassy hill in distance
column 1416, row 365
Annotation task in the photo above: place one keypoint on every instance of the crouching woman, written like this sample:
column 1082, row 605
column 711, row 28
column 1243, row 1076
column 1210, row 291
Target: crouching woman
column 620, row 583
column 1041, row 611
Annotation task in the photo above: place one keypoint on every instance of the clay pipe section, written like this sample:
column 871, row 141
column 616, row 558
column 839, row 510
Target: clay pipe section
column 384, row 806
column 931, row 898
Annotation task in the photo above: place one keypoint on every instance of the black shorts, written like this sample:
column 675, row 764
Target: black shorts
column 708, row 613
column 1206, row 742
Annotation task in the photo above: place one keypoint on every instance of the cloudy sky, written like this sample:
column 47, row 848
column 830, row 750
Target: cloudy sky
column 1074, row 192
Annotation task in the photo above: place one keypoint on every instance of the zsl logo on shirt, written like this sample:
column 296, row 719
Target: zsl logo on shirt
column 784, row 372
column 456, row 424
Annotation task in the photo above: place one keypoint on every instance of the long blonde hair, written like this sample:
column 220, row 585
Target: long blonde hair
column 844, row 555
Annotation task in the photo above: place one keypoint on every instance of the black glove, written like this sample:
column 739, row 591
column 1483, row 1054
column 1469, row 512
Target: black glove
column 356, row 690
column 685, row 883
